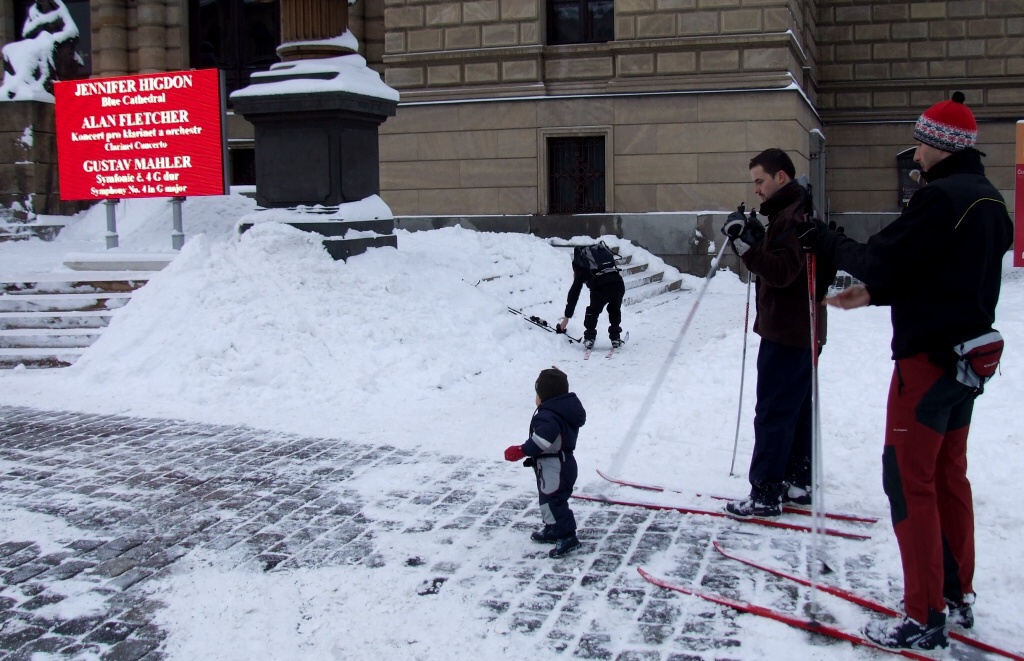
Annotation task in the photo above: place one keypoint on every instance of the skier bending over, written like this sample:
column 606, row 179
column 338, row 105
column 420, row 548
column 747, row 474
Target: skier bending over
column 595, row 267
column 553, row 431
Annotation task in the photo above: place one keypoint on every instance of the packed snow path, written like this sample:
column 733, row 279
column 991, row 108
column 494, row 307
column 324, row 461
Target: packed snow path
column 128, row 538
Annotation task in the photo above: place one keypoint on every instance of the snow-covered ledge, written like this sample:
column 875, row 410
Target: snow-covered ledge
column 115, row 260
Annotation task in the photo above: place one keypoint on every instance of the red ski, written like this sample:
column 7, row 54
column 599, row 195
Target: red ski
column 771, row 523
column 870, row 604
column 786, row 618
column 788, row 509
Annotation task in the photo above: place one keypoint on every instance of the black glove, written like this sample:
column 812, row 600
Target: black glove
column 809, row 233
column 735, row 222
column 744, row 232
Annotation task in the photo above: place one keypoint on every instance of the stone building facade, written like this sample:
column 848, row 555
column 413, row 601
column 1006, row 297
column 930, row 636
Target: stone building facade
column 661, row 105
column 686, row 92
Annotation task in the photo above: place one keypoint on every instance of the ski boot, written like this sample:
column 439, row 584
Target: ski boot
column 564, row 547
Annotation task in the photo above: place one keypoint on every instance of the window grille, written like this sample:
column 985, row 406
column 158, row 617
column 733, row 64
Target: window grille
column 576, row 175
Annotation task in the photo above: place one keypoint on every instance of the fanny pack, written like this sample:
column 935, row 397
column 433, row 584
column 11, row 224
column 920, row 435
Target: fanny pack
column 978, row 359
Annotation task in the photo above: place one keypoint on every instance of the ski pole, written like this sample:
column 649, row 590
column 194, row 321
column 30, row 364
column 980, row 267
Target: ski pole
column 652, row 392
column 817, row 496
column 743, row 371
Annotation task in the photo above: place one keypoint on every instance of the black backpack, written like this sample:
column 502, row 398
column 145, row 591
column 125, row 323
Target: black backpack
column 594, row 260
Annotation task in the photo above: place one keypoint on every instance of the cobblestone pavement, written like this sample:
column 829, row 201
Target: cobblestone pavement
column 148, row 492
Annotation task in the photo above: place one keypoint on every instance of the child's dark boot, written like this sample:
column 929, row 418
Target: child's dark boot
column 565, row 546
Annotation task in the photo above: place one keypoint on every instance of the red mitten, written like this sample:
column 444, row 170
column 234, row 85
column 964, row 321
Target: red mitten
column 514, row 453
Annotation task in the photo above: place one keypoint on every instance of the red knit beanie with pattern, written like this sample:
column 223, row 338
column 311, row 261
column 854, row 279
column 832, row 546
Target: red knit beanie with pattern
column 948, row 126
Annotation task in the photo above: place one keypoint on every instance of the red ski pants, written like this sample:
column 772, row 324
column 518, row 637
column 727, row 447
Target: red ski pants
column 924, row 471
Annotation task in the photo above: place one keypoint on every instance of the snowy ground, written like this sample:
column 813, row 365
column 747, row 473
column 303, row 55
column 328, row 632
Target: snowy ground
column 414, row 349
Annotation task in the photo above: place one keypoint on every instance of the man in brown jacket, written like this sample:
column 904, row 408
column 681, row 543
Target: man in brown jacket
column 780, row 468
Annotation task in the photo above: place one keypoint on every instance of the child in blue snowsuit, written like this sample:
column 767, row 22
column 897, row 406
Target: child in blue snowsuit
column 553, row 431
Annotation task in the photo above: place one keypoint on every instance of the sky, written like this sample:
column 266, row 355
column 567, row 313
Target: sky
column 415, row 348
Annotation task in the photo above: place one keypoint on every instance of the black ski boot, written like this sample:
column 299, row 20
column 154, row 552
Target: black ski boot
column 797, row 495
column 750, row 507
column 909, row 634
column 564, row 546
column 960, row 612
column 544, row 536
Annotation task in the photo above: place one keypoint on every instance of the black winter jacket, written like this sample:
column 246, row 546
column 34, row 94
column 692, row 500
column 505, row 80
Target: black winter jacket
column 939, row 265
column 555, row 425
column 581, row 277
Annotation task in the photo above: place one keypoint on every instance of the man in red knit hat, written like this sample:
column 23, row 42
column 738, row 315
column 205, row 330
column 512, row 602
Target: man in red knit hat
column 955, row 231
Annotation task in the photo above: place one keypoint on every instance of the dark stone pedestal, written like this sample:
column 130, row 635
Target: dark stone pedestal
column 317, row 148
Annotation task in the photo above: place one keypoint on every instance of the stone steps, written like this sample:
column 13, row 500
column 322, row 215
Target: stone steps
column 48, row 338
column 642, row 293
column 55, row 319
column 38, row 358
column 48, row 319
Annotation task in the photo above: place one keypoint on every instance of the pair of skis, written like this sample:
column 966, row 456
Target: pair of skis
column 788, row 509
column 813, row 625
column 611, row 352
column 769, row 523
column 543, row 324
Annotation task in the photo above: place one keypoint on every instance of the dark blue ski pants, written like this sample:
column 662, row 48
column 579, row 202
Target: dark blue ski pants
column 782, row 421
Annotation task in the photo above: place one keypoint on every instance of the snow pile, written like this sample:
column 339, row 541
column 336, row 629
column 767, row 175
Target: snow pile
column 272, row 317
column 144, row 224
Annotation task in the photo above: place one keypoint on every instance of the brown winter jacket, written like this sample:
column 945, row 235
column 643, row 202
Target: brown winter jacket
column 780, row 265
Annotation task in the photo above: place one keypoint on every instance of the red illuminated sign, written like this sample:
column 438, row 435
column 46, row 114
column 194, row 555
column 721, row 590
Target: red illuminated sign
column 150, row 135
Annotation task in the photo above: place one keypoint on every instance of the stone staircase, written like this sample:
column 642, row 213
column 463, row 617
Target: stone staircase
column 48, row 319
column 641, row 281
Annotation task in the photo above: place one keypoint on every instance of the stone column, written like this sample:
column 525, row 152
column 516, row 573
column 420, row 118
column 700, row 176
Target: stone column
column 304, row 21
column 177, row 35
column 8, row 30
column 110, row 27
column 152, row 36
